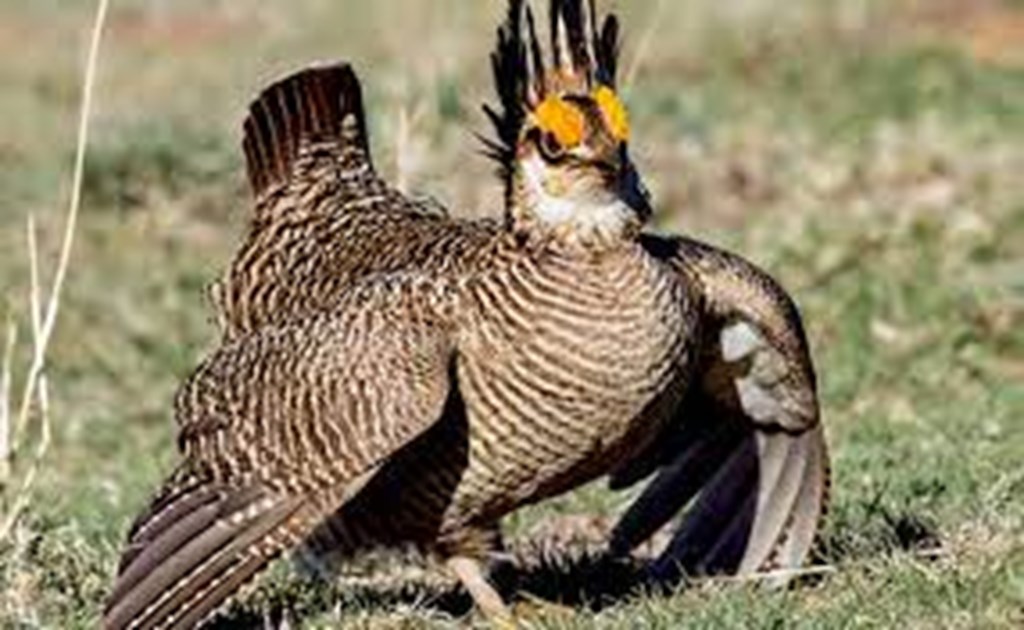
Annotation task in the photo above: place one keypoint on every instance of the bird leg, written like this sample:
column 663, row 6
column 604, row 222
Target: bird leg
column 470, row 572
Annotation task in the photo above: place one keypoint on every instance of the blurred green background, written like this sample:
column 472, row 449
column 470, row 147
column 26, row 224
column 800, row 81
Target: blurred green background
column 869, row 153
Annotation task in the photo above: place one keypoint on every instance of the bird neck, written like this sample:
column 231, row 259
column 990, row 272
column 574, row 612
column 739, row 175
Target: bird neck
column 586, row 225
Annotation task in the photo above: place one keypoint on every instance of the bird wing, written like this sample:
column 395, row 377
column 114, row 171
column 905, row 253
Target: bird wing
column 746, row 451
column 323, row 219
column 279, row 429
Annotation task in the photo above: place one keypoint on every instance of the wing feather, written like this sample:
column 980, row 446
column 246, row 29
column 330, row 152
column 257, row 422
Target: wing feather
column 260, row 470
column 745, row 462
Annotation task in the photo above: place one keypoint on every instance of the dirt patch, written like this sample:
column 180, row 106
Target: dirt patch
column 174, row 30
column 989, row 31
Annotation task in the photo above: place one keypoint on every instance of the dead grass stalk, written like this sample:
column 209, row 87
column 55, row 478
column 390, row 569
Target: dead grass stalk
column 35, row 394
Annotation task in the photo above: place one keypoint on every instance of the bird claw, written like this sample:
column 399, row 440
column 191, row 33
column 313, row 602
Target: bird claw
column 530, row 613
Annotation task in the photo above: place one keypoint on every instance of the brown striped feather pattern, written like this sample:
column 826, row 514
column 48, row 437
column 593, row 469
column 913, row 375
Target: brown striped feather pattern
column 389, row 375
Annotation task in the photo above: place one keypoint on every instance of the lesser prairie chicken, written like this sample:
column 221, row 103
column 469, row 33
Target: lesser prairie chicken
column 391, row 375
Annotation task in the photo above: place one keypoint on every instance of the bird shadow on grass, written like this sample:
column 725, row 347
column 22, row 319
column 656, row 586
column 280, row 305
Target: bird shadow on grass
column 878, row 526
column 591, row 581
column 582, row 579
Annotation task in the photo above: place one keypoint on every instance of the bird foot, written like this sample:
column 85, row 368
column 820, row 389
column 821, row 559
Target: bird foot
column 534, row 609
column 531, row 613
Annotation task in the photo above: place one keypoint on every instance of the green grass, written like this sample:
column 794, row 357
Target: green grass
column 875, row 172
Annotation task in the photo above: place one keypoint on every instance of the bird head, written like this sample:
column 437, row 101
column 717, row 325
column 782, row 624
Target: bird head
column 563, row 130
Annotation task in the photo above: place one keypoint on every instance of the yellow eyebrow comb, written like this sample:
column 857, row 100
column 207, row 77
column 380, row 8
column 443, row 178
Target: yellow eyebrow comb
column 563, row 120
column 614, row 111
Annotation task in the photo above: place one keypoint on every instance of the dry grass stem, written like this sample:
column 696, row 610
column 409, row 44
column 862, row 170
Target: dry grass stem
column 71, row 221
column 406, row 153
column 35, row 387
column 35, row 291
column 35, row 305
column 5, row 404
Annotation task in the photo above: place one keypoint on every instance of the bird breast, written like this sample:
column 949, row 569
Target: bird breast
column 563, row 360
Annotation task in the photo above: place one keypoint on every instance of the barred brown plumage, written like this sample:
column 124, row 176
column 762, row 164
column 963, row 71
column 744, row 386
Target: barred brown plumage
column 380, row 357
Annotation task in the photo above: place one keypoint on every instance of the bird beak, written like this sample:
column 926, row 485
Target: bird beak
column 634, row 193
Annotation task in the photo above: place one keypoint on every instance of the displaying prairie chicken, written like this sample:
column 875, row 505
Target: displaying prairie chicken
column 390, row 375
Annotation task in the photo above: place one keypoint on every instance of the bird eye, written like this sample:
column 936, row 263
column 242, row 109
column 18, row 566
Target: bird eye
column 550, row 148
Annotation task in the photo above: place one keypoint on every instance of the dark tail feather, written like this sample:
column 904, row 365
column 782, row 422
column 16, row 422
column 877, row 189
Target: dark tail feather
column 197, row 546
column 320, row 105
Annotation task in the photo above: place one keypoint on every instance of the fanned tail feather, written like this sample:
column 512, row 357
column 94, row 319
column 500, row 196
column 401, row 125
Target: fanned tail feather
column 319, row 106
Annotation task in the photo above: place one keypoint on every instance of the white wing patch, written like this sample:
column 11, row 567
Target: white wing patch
column 739, row 341
column 760, row 378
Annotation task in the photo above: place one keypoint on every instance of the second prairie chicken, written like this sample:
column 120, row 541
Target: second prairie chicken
column 390, row 375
